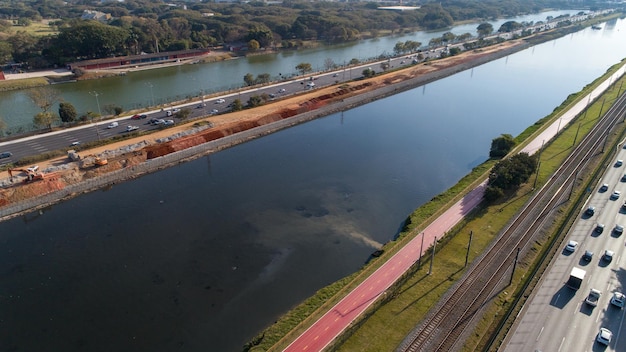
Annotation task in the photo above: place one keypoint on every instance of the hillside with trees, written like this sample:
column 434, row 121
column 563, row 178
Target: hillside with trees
column 148, row 26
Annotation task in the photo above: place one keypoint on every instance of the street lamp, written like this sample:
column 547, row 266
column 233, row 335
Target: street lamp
column 96, row 94
column 151, row 93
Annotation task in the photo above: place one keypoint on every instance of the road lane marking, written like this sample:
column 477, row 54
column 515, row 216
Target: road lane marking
column 540, row 332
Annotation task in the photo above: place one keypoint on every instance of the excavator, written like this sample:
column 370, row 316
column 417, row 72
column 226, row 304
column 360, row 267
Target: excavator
column 33, row 173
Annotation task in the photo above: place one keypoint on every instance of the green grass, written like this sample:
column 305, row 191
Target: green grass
column 392, row 319
column 37, row 29
column 25, row 83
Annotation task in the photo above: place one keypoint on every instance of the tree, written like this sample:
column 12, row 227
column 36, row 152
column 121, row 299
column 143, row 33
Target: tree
column 249, row 79
column 237, row 105
column 112, row 109
column 399, row 48
column 304, row 67
column 484, row 29
column 44, row 119
column 509, row 26
column 329, row 64
column 368, row 72
column 253, row 45
column 254, row 101
column 183, row 113
column 501, row 146
column 510, row 173
column 67, row 112
column 262, row 78
column 354, row 61
column 3, row 126
column 6, row 52
column 44, row 97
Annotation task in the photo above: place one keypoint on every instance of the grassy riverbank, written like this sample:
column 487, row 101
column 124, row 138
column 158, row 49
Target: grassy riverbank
column 384, row 326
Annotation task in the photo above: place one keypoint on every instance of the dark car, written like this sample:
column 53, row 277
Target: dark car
column 5, row 155
column 588, row 255
column 590, row 211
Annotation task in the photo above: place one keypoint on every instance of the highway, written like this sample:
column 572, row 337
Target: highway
column 557, row 319
column 63, row 139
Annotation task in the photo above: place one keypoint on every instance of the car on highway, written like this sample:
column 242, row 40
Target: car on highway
column 618, row 299
column 588, row 255
column 113, row 125
column 608, row 255
column 599, row 228
column 590, row 211
column 130, row 128
column 168, row 122
column 571, row 246
column 615, row 195
column 74, row 144
column 214, row 111
column 138, row 116
column 282, row 90
column 604, row 336
column 618, row 229
column 619, row 163
column 604, row 187
column 6, row 155
column 220, row 101
column 176, row 110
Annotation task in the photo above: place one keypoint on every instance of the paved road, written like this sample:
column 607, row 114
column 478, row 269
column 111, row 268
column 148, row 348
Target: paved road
column 63, row 139
column 557, row 319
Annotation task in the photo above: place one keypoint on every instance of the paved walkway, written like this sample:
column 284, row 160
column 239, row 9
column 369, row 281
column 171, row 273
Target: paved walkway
column 338, row 318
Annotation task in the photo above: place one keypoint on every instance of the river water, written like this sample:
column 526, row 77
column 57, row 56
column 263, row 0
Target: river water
column 204, row 255
column 140, row 89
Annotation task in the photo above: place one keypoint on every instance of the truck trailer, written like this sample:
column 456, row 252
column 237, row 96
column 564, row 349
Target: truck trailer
column 576, row 278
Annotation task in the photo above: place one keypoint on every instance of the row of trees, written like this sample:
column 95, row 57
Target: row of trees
column 153, row 25
column 508, row 174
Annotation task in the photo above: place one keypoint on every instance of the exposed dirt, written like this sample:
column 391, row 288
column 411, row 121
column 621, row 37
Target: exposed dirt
column 228, row 124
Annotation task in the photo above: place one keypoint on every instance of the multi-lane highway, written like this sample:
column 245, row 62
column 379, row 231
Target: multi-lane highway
column 64, row 139
column 557, row 318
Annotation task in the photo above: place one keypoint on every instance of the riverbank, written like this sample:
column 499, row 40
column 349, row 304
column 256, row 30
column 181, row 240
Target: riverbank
column 228, row 129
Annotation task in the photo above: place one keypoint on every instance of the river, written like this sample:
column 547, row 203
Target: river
column 204, row 255
column 139, row 89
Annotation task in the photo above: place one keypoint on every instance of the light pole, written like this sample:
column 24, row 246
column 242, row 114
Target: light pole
column 96, row 94
column 151, row 93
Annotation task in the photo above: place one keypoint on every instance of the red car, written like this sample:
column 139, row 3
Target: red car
column 137, row 116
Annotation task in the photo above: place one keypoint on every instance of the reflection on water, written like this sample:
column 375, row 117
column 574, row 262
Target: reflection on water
column 204, row 255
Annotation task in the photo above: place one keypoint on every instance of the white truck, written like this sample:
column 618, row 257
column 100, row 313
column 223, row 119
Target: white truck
column 576, row 278
column 593, row 297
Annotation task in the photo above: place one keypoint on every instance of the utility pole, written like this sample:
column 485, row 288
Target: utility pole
column 419, row 262
column 468, row 247
column 514, row 265
column 576, row 136
column 95, row 94
column 432, row 259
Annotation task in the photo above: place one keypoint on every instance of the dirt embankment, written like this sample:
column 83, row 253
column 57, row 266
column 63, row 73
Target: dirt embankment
column 313, row 104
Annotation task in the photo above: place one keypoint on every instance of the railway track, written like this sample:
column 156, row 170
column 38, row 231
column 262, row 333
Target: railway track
column 445, row 326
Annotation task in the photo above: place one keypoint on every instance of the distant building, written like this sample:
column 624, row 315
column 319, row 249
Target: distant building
column 96, row 16
column 135, row 61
